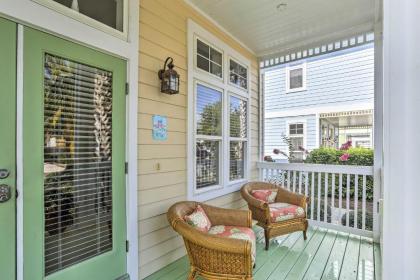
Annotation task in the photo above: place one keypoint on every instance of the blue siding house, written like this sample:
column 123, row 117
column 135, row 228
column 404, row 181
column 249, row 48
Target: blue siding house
column 324, row 100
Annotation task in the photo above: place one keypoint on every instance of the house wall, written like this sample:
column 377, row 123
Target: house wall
column 275, row 128
column 162, row 166
column 345, row 77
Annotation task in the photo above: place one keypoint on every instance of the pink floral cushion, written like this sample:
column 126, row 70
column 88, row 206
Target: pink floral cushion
column 285, row 211
column 243, row 233
column 198, row 219
column 268, row 196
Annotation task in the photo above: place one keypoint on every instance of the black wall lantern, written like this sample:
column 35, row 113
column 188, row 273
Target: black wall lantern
column 169, row 78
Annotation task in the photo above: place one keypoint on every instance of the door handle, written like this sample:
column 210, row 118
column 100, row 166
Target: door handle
column 5, row 193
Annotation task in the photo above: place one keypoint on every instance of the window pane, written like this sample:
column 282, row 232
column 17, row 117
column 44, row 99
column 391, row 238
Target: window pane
column 296, row 143
column 207, row 163
column 216, row 69
column 77, row 162
column 203, row 63
column 296, row 78
column 109, row 12
column 203, row 49
column 209, row 111
column 238, row 117
column 237, row 161
column 238, row 74
column 215, row 56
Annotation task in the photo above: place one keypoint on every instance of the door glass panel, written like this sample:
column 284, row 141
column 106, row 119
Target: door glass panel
column 77, row 162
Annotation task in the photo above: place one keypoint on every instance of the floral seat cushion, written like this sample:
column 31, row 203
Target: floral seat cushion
column 243, row 233
column 285, row 211
column 268, row 196
column 198, row 219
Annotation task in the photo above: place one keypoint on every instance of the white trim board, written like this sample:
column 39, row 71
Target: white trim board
column 29, row 13
column 196, row 75
column 319, row 110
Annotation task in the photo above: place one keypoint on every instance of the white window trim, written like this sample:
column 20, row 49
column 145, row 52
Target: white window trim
column 291, row 68
column 305, row 134
column 88, row 20
column 196, row 75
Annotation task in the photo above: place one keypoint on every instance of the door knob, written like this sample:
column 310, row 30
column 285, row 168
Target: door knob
column 4, row 173
column 5, row 193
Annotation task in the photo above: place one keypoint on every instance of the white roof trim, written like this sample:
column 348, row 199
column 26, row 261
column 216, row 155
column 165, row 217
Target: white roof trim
column 204, row 14
column 317, row 49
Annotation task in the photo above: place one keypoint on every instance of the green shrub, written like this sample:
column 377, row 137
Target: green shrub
column 357, row 156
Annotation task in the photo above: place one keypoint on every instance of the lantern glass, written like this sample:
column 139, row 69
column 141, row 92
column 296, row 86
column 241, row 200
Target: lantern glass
column 169, row 79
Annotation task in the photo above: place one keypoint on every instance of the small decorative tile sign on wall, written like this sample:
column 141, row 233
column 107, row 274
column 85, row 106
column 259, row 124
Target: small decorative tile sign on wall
column 160, row 128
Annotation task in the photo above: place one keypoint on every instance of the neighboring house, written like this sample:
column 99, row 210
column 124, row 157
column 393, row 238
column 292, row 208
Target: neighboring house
column 323, row 100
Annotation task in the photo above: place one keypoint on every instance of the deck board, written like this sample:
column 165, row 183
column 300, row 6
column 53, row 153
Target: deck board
column 321, row 258
column 326, row 255
column 335, row 261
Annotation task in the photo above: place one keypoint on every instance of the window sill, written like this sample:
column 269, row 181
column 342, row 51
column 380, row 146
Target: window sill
column 214, row 192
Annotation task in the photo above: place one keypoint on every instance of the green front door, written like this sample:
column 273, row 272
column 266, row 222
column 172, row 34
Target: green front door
column 74, row 220
column 7, row 149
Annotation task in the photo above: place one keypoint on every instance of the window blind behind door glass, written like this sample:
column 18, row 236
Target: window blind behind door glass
column 77, row 162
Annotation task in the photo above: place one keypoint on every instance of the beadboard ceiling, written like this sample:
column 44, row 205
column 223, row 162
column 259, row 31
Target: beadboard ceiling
column 272, row 26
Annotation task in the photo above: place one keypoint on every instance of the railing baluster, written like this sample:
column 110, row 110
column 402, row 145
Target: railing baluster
column 264, row 174
column 356, row 199
column 340, row 195
column 283, row 174
column 348, row 201
column 294, row 181
column 332, row 194
column 300, row 182
column 318, row 214
column 312, row 195
column 288, row 180
column 364, row 203
column 326, row 197
column 306, row 183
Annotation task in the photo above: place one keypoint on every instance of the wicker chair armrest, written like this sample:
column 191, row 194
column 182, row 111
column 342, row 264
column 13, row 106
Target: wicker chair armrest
column 213, row 242
column 228, row 217
column 286, row 196
column 253, row 201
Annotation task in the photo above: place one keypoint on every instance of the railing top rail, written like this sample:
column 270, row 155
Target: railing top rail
column 328, row 168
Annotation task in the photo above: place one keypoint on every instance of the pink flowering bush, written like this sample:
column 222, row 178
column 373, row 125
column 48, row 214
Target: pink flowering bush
column 344, row 157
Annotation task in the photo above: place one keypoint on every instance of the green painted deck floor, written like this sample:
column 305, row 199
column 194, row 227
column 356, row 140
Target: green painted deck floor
column 326, row 254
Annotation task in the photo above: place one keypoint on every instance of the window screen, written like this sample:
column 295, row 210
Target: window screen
column 77, row 162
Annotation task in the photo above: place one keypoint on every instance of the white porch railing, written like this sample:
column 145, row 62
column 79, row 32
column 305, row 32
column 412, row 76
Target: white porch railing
column 341, row 196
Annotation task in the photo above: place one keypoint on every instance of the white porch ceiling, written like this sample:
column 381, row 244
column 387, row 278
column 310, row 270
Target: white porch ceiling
column 272, row 26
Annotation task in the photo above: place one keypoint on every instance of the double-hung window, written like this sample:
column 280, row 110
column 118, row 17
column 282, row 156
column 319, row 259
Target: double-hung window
column 297, row 141
column 218, row 103
column 296, row 78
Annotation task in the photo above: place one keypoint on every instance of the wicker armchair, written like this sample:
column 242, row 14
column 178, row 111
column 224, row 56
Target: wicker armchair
column 261, row 211
column 211, row 256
